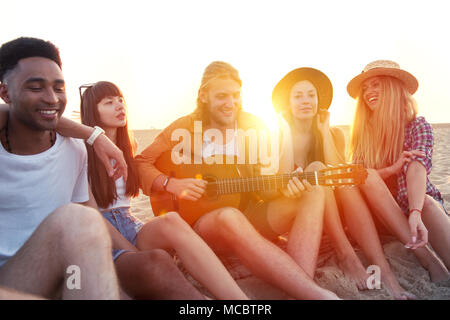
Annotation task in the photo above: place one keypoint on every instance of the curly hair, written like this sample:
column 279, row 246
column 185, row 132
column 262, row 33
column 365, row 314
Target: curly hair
column 13, row 51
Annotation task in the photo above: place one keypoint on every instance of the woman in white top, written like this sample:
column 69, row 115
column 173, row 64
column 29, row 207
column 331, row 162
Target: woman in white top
column 103, row 105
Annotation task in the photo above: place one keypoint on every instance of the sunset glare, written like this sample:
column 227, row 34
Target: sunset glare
column 156, row 51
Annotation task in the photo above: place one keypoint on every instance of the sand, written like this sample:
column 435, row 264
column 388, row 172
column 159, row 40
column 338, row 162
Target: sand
column 406, row 267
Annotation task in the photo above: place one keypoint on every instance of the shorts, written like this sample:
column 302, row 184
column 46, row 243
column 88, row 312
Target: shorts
column 127, row 224
column 256, row 213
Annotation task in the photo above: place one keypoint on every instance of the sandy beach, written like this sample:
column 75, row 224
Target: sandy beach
column 410, row 274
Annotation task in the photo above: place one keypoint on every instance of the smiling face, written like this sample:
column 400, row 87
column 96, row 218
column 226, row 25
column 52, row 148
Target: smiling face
column 371, row 92
column 112, row 112
column 303, row 100
column 35, row 90
column 223, row 99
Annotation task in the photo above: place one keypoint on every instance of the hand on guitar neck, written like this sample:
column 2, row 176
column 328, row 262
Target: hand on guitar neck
column 187, row 189
column 295, row 187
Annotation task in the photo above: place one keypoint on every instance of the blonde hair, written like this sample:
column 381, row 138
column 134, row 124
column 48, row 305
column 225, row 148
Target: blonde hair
column 215, row 70
column 377, row 136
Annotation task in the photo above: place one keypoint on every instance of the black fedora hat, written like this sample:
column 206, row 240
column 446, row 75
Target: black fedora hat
column 281, row 92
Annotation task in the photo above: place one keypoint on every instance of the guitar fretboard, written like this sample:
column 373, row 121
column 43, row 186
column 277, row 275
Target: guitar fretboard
column 265, row 183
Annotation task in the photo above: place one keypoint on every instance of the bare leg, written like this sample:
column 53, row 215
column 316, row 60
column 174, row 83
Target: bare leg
column 71, row 235
column 153, row 275
column 438, row 225
column 387, row 210
column 347, row 258
column 303, row 218
column 362, row 228
column 227, row 230
column 172, row 232
column 11, row 294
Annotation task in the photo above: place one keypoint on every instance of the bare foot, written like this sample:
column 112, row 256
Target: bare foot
column 354, row 270
column 438, row 272
column 405, row 295
column 430, row 261
column 395, row 289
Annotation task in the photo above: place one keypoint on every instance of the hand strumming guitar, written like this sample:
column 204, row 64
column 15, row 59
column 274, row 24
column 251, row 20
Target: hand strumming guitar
column 187, row 189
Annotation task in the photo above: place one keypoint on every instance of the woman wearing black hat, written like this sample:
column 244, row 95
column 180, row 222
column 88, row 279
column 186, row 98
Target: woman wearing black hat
column 302, row 98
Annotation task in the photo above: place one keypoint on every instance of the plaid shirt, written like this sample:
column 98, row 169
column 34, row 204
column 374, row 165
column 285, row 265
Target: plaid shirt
column 418, row 136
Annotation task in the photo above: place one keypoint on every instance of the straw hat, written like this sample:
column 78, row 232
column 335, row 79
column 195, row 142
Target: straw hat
column 382, row 68
column 281, row 92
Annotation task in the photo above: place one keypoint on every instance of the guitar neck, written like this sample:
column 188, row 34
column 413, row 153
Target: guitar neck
column 264, row 183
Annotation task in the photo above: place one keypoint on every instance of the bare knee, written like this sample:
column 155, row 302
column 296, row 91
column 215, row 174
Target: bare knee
column 427, row 203
column 167, row 225
column 231, row 221
column 74, row 214
column 430, row 205
column 373, row 178
column 174, row 221
column 76, row 222
column 315, row 166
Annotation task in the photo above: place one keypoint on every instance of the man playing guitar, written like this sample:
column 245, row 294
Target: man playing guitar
column 227, row 229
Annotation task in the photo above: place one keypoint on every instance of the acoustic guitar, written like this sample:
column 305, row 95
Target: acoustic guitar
column 226, row 184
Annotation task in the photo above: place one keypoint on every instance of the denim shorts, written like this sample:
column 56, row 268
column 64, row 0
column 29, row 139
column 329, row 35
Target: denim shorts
column 127, row 224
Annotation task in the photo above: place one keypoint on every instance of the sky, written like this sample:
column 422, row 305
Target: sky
column 156, row 51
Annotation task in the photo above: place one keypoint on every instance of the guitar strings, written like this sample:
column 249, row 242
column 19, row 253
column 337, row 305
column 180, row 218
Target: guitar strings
column 233, row 185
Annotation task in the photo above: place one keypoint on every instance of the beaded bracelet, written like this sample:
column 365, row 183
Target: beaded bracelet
column 412, row 210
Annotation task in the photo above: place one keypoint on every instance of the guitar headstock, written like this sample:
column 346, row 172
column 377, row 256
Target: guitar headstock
column 343, row 174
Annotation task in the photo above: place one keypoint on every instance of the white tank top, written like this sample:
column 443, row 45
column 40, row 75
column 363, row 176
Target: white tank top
column 122, row 199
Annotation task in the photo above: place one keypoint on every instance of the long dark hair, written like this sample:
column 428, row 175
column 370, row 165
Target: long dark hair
column 315, row 152
column 104, row 187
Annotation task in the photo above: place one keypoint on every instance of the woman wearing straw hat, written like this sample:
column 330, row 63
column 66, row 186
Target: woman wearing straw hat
column 397, row 145
column 302, row 98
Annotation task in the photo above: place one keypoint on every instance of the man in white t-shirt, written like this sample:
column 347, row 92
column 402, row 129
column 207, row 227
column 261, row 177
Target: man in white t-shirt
column 49, row 246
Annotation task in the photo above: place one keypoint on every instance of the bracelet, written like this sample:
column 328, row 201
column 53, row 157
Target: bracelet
column 165, row 183
column 412, row 210
column 97, row 131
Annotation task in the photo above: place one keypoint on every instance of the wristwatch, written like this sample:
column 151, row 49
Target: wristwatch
column 97, row 131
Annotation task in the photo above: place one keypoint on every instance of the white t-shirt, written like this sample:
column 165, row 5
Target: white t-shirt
column 211, row 148
column 33, row 186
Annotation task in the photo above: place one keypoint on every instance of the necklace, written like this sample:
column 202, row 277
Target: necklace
column 8, row 145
